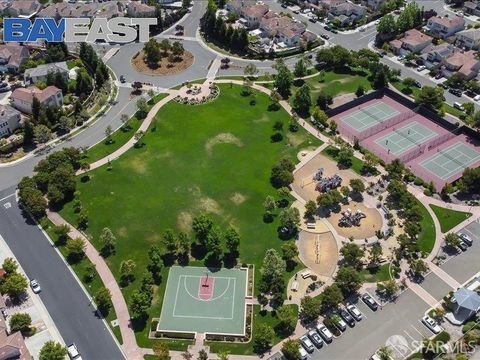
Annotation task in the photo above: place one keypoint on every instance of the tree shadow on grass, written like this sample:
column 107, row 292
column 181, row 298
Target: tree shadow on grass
column 198, row 251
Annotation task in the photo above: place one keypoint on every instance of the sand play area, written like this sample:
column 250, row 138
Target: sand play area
column 318, row 252
column 368, row 225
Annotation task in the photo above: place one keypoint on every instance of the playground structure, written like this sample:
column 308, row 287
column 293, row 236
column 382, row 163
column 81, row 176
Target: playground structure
column 350, row 218
column 328, row 183
column 316, row 176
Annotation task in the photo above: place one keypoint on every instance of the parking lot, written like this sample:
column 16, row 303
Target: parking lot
column 397, row 324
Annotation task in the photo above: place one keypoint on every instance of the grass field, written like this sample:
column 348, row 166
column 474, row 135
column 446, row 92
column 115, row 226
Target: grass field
column 448, row 218
column 332, row 152
column 259, row 317
column 380, row 274
column 119, row 137
column 426, row 238
column 195, row 159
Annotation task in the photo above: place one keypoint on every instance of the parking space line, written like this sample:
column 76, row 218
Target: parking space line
column 418, row 331
column 8, row 196
column 410, row 336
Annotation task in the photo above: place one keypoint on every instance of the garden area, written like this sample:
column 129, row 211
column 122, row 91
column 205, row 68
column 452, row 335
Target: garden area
column 192, row 160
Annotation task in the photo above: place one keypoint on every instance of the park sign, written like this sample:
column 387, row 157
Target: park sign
column 76, row 30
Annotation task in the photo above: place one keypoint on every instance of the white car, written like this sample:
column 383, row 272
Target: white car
column 324, row 332
column 303, row 353
column 73, row 353
column 400, row 57
column 307, row 344
column 421, row 68
column 465, row 238
column 477, row 98
column 431, row 324
column 35, row 286
column 353, row 310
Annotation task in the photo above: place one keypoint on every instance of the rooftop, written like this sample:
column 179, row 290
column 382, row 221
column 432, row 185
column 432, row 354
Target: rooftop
column 27, row 94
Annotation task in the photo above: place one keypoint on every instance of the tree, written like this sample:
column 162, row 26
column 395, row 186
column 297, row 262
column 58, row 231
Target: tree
column 395, row 169
column 263, row 337
column 282, row 173
column 201, row 226
column 386, row 25
column 452, row 239
column 161, row 351
column 290, row 251
column 142, row 107
column 310, row 308
column 250, row 70
column 391, row 288
column 300, row 68
column 177, row 49
column 108, row 240
column 418, row 267
column 290, row 219
column 155, row 263
column 310, row 209
column 10, row 266
column 357, row 185
column 52, row 350
column 331, row 297
column 139, row 304
column 430, row 97
column 20, row 322
column 345, row 155
column 348, row 279
column 213, row 243
column 470, row 181
column 270, row 204
column 76, row 248
column 42, row 134
column 272, row 272
column 352, row 255
column 374, row 254
column 303, row 100
column 287, row 318
column 183, row 246
column 103, row 299
column 291, row 349
column 126, row 270
column 152, row 51
column 384, row 353
column 360, row 91
column 320, row 118
column 202, row 355
column 283, row 80
column 108, row 133
column 232, row 240
column 14, row 285
column 324, row 100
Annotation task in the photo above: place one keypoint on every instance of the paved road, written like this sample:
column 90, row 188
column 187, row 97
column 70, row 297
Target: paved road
column 66, row 302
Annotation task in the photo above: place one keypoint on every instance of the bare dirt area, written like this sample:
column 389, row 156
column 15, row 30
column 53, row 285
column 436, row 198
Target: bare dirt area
column 318, row 252
column 164, row 66
column 367, row 227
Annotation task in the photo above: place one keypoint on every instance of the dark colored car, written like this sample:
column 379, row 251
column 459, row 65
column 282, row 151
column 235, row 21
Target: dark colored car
column 122, row 79
column 371, row 303
column 284, row 5
column 312, row 20
column 325, row 36
column 463, row 246
column 326, row 27
column 417, row 84
column 347, row 317
column 334, row 31
column 456, row 92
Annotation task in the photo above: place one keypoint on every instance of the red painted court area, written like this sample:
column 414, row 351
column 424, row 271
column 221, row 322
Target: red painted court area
column 205, row 288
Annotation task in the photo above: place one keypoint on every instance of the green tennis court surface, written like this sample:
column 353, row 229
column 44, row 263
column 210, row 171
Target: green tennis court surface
column 371, row 115
column 405, row 138
column 452, row 160
column 201, row 300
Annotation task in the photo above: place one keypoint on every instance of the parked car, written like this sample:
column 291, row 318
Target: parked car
column 476, row 98
column 334, row 31
column 417, row 84
column 315, row 338
column 421, row 68
column 307, row 344
column 347, row 317
column 312, row 20
column 4, row 87
column 371, row 303
column 401, row 57
column 284, row 5
column 443, row 85
column 362, row 28
column 456, row 92
column 303, row 353
column 353, row 310
column 122, row 79
column 462, row 246
column 35, row 286
column 324, row 332
column 325, row 36
column 438, row 76
column 465, row 238
column 458, row 106
column 431, row 324
column 73, row 353
column 326, row 27
column 459, row 13
column 341, row 325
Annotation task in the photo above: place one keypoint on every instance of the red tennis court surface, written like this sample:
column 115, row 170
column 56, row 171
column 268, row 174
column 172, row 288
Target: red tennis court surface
column 205, row 288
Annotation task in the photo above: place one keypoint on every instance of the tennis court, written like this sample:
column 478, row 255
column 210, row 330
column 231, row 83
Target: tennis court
column 203, row 300
column 405, row 138
column 451, row 160
column 371, row 115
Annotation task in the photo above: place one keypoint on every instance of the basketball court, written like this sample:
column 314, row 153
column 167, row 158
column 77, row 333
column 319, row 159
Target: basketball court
column 451, row 160
column 371, row 115
column 405, row 138
column 203, row 300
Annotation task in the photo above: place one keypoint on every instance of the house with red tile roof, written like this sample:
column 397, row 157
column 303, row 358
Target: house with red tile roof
column 412, row 41
column 445, row 26
column 462, row 62
column 22, row 98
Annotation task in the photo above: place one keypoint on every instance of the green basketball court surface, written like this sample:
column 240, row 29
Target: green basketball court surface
column 203, row 300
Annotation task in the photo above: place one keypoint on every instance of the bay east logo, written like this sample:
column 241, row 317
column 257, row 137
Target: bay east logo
column 75, row 30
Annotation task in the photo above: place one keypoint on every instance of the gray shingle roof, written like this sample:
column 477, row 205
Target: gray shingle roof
column 467, row 299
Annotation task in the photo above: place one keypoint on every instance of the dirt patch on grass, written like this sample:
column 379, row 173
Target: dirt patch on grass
column 139, row 166
column 237, row 198
column 184, row 221
column 122, row 232
column 163, row 67
column 263, row 119
column 209, row 205
column 223, row 138
column 295, row 139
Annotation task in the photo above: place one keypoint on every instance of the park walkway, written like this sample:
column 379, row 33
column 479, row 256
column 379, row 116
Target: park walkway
column 129, row 346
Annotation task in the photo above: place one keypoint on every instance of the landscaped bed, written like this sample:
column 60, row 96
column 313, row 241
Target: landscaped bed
column 164, row 66
column 449, row 218
column 194, row 159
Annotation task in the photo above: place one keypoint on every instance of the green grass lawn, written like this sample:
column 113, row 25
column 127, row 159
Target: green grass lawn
column 119, row 137
column 426, row 238
column 449, row 218
column 337, row 83
column 213, row 158
column 259, row 317
column 80, row 268
column 380, row 274
column 332, row 152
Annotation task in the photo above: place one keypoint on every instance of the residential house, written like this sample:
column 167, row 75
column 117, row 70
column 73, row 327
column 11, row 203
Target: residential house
column 466, row 303
column 138, row 10
column 412, row 41
column 472, row 8
column 468, row 39
column 284, row 30
column 12, row 56
column 234, row 6
column 253, row 14
column 347, row 12
column 328, row 4
column 445, row 26
column 9, row 120
column 22, row 98
column 83, row 10
column 436, row 55
column 41, row 72
column 12, row 346
column 462, row 62
column 23, row 8
column 373, row 5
